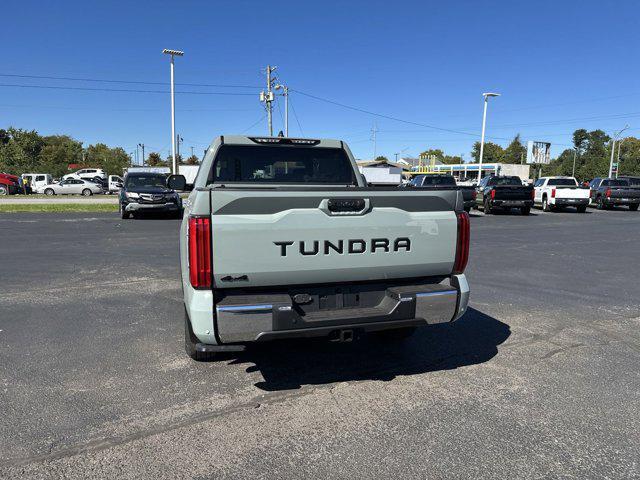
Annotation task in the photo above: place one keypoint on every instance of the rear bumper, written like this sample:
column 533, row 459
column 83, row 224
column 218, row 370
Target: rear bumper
column 264, row 317
column 621, row 201
column 569, row 202
column 148, row 207
column 512, row 203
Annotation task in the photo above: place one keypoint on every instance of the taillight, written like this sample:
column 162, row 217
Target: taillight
column 200, row 252
column 462, row 245
column 493, row 194
column 553, row 193
column 474, row 194
column 608, row 192
column 533, row 194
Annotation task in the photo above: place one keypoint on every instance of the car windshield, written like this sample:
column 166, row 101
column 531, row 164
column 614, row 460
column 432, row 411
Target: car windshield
column 146, row 181
column 562, row 181
column 505, row 181
column 281, row 164
column 439, row 181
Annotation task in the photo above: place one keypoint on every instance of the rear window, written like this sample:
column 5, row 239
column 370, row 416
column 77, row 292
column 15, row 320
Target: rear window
column 556, row 182
column 635, row 181
column 505, row 181
column 281, row 164
column 448, row 181
column 615, row 183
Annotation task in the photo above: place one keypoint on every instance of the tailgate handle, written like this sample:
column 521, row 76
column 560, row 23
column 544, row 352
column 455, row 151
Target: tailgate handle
column 345, row 206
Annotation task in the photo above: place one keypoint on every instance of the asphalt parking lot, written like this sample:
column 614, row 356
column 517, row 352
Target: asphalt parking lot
column 541, row 378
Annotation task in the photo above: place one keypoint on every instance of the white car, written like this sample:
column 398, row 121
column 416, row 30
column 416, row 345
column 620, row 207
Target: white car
column 555, row 192
column 71, row 186
column 87, row 174
column 37, row 180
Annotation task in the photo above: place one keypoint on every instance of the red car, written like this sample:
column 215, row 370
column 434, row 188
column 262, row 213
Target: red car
column 9, row 184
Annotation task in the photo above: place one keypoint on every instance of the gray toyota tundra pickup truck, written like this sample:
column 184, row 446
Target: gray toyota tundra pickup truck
column 281, row 238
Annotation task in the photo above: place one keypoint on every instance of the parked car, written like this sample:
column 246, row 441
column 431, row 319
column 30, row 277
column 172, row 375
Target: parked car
column 147, row 191
column 37, row 180
column 282, row 238
column 438, row 181
column 552, row 193
column 609, row 192
column 10, row 184
column 504, row 192
column 71, row 186
column 87, row 174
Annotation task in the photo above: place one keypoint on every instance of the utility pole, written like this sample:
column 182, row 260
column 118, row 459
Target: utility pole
column 618, row 160
column 179, row 140
column 136, row 157
column 267, row 97
column 192, row 151
column 573, row 170
column 142, row 145
column 374, row 132
column 285, row 94
column 173, row 109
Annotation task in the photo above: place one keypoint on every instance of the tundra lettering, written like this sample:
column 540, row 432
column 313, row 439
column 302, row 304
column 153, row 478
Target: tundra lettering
column 354, row 246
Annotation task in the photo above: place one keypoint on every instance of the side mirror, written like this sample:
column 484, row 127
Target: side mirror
column 176, row 182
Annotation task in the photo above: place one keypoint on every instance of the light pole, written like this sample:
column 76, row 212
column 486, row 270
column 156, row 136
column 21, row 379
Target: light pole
column 173, row 53
column 613, row 148
column 573, row 170
column 484, row 123
column 285, row 94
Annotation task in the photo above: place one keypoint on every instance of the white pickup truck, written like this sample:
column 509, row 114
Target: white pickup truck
column 552, row 193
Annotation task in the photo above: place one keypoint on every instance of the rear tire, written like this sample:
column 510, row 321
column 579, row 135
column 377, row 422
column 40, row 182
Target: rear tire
column 600, row 203
column 3, row 190
column 49, row 191
column 581, row 208
column 525, row 210
column 190, row 341
column 125, row 215
column 634, row 207
column 545, row 204
column 86, row 192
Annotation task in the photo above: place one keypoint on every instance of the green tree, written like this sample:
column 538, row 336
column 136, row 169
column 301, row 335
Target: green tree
column 58, row 152
column 193, row 160
column 154, row 159
column 492, row 153
column 515, row 152
column 629, row 156
column 381, row 158
column 111, row 160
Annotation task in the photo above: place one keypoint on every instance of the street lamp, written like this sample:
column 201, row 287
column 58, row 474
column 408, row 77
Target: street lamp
column 173, row 53
column 484, row 122
column 613, row 148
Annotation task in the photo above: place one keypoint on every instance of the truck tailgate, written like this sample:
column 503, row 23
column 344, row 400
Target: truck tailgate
column 572, row 192
column 512, row 192
column 266, row 237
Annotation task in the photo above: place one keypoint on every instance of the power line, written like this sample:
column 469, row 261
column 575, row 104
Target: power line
column 100, row 80
column 389, row 117
column 296, row 117
column 124, row 90
column 254, row 124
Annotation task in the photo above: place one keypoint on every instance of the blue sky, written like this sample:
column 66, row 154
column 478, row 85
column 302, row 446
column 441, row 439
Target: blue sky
column 559, row 66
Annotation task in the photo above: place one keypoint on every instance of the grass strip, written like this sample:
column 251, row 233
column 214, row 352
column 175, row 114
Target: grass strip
column 57, row 207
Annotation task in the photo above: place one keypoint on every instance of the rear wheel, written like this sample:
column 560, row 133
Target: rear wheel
column 3, row 190
column 86, row 192
column 633, row 207
column 600, row 203
column 581, row 208
column 525, row 210
column 190, row 341
column 49, row 191
column 545, row 204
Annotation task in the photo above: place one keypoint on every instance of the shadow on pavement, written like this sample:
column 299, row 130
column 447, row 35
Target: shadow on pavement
column 289, row 365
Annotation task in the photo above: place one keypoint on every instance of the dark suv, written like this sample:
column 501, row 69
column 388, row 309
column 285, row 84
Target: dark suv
column 148, row 192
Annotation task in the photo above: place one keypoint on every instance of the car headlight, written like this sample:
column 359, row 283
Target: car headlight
column 132, row 195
